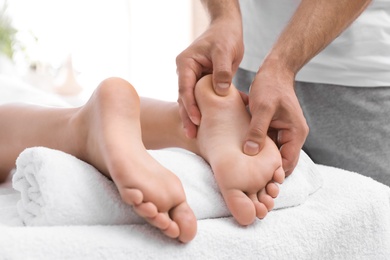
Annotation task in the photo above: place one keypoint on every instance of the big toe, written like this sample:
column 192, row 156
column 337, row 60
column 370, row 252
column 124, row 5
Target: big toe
column 241, row 206
column 185, row 219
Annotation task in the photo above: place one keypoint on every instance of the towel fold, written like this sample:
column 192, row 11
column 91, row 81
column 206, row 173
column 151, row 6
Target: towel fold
column 58, row 189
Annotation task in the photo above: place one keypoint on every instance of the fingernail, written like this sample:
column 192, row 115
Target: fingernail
column 223, row 85
column 186, row 132
column 251, row 148
column 195, row 120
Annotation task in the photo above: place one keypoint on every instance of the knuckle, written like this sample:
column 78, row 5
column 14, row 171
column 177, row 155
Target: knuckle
column 302, row 129
column 223, row 74
column 186, row 94
column 261, row 106
column 182, row 91
column 306, row 129
column 256, row 133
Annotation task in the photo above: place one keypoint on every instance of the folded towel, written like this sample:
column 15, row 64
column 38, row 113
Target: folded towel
column 58, row 189
column 348, row 218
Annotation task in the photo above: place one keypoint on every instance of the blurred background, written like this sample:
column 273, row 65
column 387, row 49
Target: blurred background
column 69, row 46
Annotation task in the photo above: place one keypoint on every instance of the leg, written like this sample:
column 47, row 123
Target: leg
column 349, row 127
column 243, row 79
column 105, row 133
column 23, row 126
column 246, row 182
column 3, row 176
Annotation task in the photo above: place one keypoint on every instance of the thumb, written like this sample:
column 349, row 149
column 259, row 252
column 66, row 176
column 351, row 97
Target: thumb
column 222, row 74
column 257, row 133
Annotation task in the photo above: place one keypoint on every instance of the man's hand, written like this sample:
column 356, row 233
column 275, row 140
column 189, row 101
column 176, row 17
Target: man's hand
column 219, row 51
column 276, row 112
column 272, row 101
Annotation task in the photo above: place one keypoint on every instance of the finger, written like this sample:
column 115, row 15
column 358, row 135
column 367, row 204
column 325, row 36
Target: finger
column 244, row 98
column 222, row 72
column 273, row 134
column 290, row 155
column 290, row 147
column 257, row 132
column 187, row 77
column 189, row 127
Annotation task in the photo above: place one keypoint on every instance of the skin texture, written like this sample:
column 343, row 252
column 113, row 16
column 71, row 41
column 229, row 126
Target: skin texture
column 115, row 127
column 272, row 101
column 244, row 181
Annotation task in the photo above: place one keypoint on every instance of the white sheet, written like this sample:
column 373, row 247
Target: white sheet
column 14, row 90
column 348, row 218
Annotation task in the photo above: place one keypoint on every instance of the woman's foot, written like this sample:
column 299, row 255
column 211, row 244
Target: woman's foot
column 110, row 122
column 246, row 182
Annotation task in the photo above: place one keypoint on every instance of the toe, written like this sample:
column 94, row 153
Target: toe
column 185, row 219
column 160, row 221
column 261, row 209
column 131, row 196
column 172, row 231
column 146, row 210
column 272, row 189
column 241, row 206
column 266, row 200
column 279, row 175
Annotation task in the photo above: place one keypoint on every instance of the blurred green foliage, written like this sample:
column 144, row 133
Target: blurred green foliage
column 7, row 33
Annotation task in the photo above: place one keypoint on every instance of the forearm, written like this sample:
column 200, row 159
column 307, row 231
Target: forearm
column 221, row 9
column 314, row 25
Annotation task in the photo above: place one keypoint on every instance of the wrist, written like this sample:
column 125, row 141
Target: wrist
column 275, row 67
column 228, row 10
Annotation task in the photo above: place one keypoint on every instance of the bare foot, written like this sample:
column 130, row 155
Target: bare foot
column 111, row 123
column 246, row 182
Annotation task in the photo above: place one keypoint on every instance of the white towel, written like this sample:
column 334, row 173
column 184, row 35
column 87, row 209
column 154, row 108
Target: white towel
column 348, row 218
column 58, row 189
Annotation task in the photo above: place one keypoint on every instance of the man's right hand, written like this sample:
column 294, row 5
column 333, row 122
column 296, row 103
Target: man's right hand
column 219, row 50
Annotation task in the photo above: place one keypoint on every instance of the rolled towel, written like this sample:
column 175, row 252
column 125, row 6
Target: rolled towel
column 58, row 189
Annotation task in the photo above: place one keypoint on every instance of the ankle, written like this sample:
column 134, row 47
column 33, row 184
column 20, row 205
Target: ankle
column 78, row 134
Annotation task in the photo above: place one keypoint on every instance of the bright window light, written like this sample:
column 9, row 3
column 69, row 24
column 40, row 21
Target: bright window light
column 134, row 39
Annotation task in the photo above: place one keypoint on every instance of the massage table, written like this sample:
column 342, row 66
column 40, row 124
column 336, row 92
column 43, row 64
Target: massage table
column 347, row 216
